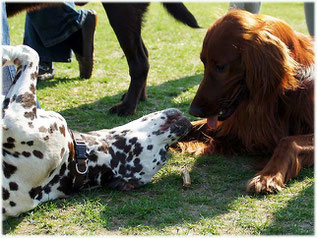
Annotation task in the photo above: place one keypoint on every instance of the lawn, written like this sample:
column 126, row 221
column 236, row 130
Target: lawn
column 217, row 202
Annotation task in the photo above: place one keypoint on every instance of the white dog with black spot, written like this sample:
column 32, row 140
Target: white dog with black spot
column 44, row 160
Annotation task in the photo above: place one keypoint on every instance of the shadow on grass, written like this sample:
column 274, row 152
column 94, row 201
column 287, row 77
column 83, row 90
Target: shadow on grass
column 298, row 216
column 216, row 183
column 95, row 116
column 52, row 83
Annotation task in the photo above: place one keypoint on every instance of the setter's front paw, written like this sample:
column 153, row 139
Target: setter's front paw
column 265, row 184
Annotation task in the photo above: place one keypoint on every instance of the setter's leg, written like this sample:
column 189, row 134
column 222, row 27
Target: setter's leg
column 291, row 154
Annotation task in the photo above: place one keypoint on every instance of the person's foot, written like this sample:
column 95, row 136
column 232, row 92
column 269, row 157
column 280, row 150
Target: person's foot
column 46, row 71
column 85, row 55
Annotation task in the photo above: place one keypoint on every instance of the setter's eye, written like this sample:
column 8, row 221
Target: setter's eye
column 220, row 68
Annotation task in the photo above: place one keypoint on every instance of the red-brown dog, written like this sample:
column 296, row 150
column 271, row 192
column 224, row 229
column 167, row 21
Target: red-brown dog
column 256, row 96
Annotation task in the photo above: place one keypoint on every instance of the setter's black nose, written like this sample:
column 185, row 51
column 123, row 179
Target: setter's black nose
column 195, row 111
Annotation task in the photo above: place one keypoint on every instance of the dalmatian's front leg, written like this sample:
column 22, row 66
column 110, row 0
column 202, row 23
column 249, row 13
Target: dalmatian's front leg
column 21, row 97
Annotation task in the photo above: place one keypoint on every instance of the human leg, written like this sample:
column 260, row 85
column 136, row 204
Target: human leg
column 8, row 72
column 253, row 7
column 53, row 32
column 309, row 8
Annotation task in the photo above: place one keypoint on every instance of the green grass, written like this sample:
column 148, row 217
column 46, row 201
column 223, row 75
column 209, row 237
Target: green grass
column 216, row 203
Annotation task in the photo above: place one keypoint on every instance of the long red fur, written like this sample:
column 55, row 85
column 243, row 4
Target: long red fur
column 277, row 61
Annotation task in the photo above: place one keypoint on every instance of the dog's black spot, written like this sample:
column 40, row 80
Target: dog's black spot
column 36, row 193
column 63, row 169
column 5, row 103
column 130, row 157
column 54, row 180
column 12, row 204
column 137, row 149
column 13, row 186
column 47, row 189
column 133, row 140
column 65, row 185
column 3, row 211
column 38, row 154
column 120, row 144
column 163, row 155
column 46, row 138
column 8, row 169
column 116, row 158
column 18, row 74
column 14, row 97
column 30, row 143
column 5, row 194
column 5, row 152
column 150, row 147
column 122, row 157
column 137, row 166
column 124, row 132
column 106, row 175
column 93, row 173
column 127, row 148
column 115, row 161
column 122, row 170
column 158, row 163
column 158, row 132
column 93, row 157
column 10, row 140
column 8, row 145
column 16, row 154
column 154, row 160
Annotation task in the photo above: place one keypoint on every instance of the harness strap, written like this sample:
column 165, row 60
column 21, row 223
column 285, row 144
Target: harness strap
column 80, row 167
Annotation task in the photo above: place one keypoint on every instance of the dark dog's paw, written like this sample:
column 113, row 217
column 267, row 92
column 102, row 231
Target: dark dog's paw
column 261, row 184
column 122, row 109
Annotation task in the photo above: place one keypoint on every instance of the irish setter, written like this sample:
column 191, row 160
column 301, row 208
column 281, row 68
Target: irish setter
column 256, row 96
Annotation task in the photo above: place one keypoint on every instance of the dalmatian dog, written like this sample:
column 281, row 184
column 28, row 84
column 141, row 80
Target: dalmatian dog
column 44, row 160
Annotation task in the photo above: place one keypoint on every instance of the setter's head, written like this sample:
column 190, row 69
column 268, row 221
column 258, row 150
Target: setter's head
column 246, row 57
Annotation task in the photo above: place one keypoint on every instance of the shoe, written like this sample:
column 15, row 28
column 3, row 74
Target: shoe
column 46, row 71
column 85, row 58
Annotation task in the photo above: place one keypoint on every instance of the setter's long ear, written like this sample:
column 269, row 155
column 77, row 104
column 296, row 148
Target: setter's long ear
column 269, row 67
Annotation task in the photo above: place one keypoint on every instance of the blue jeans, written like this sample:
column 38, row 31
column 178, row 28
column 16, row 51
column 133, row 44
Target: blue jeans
column 309, row 8
column 253, row 7
column 8, row 72
column 45, row 31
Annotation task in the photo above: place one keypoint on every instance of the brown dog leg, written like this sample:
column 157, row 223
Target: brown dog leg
column 291, row 154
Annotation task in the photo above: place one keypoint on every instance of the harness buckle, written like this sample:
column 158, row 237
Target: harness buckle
column 78, row 170
column 80, row 154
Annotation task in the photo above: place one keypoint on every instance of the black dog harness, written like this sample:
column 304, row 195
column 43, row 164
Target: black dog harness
column 80, row 168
